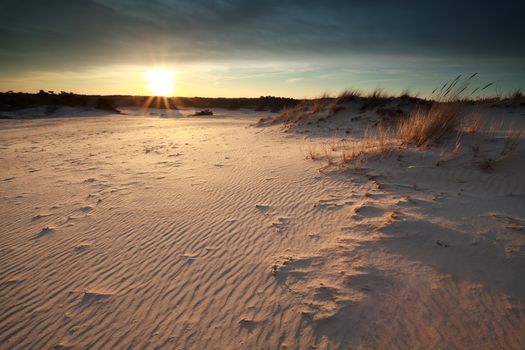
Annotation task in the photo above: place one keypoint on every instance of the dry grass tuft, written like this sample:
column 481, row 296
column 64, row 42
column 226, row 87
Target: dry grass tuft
column 313, row 152
column 375, row 143
column 516, row 95
column 473, row 124
column 377, row 94
column 346, row 96
column 425, row 126
column 512, row 137
column 375, row 99
column 494, row 127
column 512, row 140
column 324, row 104
column 450, row 153
column 405, row 94
column 292, row 114
column 305, row 109
column 329, row 155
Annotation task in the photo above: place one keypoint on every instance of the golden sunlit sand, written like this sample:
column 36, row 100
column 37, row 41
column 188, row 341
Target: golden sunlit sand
column 134, row 231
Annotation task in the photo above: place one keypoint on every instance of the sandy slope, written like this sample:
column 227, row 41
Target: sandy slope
column 143, row 232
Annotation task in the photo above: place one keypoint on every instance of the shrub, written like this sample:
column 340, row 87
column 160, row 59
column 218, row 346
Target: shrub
column 204, row 112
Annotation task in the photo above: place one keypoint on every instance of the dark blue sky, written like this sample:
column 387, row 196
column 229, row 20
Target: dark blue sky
column 299, row 48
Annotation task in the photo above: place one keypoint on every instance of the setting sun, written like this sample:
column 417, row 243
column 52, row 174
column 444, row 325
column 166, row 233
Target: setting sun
column 160, row 82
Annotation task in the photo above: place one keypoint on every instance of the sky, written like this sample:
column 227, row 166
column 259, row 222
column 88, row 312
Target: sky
column 250, row 48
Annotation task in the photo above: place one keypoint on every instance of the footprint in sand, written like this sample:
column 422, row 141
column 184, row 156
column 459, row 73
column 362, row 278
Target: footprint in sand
column 40, row 216
column 325, row 293
column 263, row 208
column 281, row 224
column 371, row 282
column 367, row 211
column 86, row 209
column 82, row 247
column 44, row 232
column 14, row 280
column 91, row 297
column 249, row 324
column 190, row 257
column 291, row 269
column 332, row 203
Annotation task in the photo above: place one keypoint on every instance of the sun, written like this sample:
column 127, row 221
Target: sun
column 160, row 82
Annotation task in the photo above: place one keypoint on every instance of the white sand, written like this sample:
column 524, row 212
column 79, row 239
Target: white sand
column 130, row 232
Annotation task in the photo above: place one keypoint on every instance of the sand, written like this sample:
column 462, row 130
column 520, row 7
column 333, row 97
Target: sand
column 142, row 232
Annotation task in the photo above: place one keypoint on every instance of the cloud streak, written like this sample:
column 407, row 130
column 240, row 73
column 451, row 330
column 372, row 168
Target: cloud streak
column 59, row 32
column 292, row 40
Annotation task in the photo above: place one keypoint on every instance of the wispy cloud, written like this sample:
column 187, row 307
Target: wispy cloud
column 72, row 33
column 335, row 42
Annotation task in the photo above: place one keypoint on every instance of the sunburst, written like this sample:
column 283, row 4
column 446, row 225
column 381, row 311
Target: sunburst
column 161, row 83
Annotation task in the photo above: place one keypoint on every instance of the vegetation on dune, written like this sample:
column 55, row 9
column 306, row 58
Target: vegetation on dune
column 433, row 116
column 424, row 126
column 427, row 125
column 451, row 114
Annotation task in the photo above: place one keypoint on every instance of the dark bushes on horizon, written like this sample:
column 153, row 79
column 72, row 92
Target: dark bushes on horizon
column 18, row 100
column 106, row 104
column 263, row 103
column 12, row 100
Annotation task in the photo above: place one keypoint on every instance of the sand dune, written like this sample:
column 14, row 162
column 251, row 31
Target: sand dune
column 125, row 232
